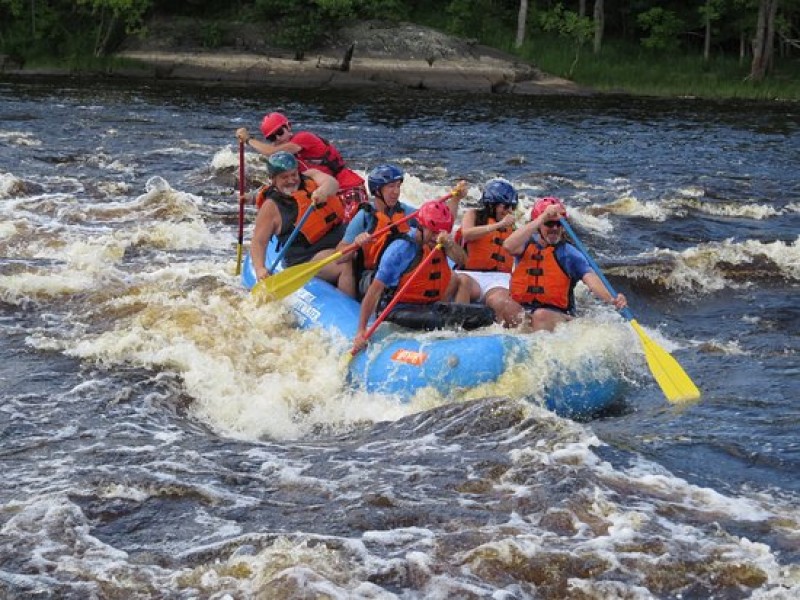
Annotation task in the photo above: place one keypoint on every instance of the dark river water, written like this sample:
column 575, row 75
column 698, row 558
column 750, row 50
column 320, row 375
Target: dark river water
column 163, row 436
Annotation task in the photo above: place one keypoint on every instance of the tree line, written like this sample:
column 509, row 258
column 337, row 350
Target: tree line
column 754, row 30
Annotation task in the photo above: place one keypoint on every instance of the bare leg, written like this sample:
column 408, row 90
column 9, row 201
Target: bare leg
column 474, row 289
column 338, row 273
column 463, row 293
column 506, row 311
column 547, row 320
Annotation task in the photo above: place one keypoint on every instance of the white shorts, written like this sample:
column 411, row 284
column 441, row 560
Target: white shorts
column 488, row 280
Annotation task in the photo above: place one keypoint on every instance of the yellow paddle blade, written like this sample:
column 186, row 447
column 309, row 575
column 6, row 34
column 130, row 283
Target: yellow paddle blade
column 674, row 382
column 288, row 281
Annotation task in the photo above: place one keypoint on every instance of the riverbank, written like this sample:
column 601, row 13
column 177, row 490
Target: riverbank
column 367, row 54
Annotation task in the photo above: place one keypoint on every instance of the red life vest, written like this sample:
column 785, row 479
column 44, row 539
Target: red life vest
column 429, row 285
column 321, row 220
column 328, row 161
column 487, row 253
column 539, row 279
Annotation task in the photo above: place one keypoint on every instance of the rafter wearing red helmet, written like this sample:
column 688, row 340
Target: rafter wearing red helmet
column 313, row 152
column 397, row 266
column 548, row 268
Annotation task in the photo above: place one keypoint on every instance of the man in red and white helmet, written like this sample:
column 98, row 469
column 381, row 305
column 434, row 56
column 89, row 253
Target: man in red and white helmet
column 548, row 268
column 313, row 152
column 397, row 265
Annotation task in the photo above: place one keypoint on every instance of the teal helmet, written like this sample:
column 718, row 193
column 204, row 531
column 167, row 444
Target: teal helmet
column 280, row 162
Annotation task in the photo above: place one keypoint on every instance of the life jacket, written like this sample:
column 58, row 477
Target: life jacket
column 330, row 159
column 292, row 208
column 371, row 253
column 428, row 286
column 487, row 253
column 540, row 280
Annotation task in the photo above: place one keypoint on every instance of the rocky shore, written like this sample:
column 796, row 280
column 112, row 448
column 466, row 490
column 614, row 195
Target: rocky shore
column 363, row 55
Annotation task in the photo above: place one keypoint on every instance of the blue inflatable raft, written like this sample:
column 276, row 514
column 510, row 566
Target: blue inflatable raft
column 401, row 361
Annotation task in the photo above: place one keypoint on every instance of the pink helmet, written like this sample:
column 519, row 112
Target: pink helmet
column 272, row 122
column 436, row 216
column 543, row 203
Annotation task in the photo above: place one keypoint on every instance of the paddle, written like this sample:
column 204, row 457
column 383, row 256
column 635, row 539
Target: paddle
column 241, row 209
column 670, row 376
column 396, row 298
column 291, row 237
column 292, row 279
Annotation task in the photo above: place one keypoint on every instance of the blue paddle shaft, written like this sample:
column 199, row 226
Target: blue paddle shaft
column 293, row 235
column 625, row 312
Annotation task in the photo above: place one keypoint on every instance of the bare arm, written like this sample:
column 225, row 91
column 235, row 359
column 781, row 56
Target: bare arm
column 470, row 231
column 451, row 249
column 268, row 223
column 516, row 242
column 368, row 305
column 327, row 185
column 265, row 147
column 457, row 194
column 597, row 288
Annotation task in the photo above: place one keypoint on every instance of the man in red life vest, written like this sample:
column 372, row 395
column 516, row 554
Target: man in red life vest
column 399, row 262
column 548, row 268
column 313, row 152
column 281, row 206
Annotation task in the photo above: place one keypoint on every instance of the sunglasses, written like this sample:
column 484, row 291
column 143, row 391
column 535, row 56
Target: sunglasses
column 276, row 135
column 552, row 224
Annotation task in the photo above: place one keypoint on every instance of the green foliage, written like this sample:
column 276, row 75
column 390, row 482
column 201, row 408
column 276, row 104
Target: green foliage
column 477, row 18
column 79, row 32
column 211, row 35
column 569, row 25
column 663, row 27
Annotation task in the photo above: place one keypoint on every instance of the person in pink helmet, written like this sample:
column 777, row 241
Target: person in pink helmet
column 313, row 152
column 548, row 268
column 398, row 263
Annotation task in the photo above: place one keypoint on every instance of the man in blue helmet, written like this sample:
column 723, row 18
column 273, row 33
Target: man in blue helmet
column 386, row 208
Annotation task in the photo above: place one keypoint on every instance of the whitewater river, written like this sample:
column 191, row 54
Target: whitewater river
column 163, row 436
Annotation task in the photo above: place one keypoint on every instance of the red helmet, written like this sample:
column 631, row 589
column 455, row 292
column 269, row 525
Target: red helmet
column 436, row 216
column 543, row 203
column 272, row 122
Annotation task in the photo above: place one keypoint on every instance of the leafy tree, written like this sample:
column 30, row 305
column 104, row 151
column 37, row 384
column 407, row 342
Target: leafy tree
column 568, row 24
column 110, row 18
column 303, row 24
column 663, row 27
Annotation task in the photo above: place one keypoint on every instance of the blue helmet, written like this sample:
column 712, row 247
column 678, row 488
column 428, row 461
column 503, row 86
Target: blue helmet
column 381, row 175
column 280, row 162
column 499, row 191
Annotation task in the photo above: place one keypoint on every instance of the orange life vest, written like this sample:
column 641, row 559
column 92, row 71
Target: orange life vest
column 487, row 253
column 321, row 220
column 539, row 279
column 371, row 252
column 430, row 284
